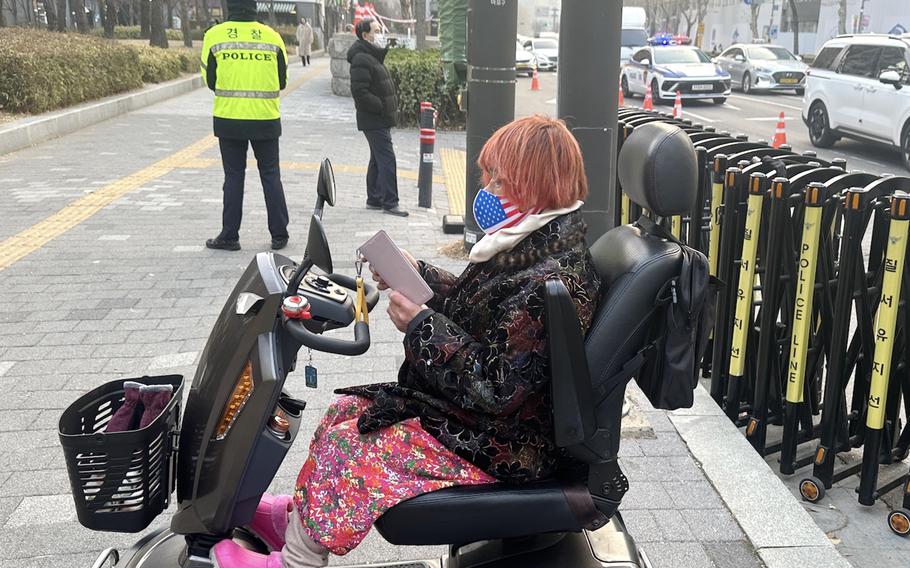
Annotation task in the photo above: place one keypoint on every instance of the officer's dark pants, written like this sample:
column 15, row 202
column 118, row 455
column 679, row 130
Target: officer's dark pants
column 382, row 175
column 233, row 158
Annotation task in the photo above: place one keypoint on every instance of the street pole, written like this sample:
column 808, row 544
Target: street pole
column 492, row 27
column 862, row 9
column 588, row 98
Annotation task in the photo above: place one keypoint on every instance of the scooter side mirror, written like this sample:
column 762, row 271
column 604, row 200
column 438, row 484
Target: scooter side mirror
column 318, row 246
column 325, row 185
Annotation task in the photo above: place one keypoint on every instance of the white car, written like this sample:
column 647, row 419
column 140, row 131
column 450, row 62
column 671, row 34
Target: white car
column 669, row 69
column 758, row 67
column 546, row 51
column 859, row 87
column 525, row 62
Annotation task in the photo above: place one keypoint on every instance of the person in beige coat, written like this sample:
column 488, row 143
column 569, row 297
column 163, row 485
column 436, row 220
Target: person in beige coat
column 304, row 41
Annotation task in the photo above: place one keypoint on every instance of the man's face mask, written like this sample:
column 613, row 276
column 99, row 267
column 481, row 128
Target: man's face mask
column 379, row 40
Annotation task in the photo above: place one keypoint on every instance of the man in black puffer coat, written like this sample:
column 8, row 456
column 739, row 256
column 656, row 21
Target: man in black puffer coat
column 377, row 112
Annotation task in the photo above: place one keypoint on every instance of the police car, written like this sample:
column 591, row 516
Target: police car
column 669, row 69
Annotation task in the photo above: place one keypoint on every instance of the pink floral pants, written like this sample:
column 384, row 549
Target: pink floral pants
column 349, row 480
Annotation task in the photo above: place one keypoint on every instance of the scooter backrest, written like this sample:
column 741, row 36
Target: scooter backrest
column 658, row 169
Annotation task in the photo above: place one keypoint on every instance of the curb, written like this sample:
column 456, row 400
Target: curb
column 780, row 529
column 31, row 131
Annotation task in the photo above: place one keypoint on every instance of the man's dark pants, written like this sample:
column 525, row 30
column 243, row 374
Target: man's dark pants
column 382, row 175
column 233, row 158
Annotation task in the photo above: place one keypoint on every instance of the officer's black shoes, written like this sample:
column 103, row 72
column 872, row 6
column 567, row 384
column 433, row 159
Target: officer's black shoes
column 396, row 211
column 373, row 206
column 279, row 243
column 221, row 244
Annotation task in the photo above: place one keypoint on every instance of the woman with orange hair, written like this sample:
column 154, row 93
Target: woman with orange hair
column 471, row 404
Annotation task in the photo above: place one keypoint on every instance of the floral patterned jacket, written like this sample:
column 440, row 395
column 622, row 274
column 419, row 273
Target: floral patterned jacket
column 477, row 370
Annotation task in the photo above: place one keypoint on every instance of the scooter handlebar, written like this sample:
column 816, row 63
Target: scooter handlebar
column 330, row 344
column 370, row 291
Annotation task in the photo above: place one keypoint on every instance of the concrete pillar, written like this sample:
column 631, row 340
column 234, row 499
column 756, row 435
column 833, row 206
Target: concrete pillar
column 492, row 27
column 588, row 98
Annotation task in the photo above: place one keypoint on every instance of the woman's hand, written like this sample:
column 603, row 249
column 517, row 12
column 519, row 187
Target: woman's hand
column 402, row 311
column 380, row 283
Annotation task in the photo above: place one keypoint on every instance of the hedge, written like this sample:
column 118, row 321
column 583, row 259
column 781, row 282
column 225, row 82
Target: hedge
column 42, row 71
column 418, row 76
column 289, row 34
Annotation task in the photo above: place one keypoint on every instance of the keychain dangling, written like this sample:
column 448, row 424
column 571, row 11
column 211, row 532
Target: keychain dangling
column 309, row 372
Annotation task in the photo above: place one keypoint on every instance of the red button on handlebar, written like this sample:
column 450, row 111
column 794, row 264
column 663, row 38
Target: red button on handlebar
column 296, row 307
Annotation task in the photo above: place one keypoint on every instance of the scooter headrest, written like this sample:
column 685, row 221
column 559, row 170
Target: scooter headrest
column 658, row 169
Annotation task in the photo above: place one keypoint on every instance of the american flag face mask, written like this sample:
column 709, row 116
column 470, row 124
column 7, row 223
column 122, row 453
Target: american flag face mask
column 493, row 213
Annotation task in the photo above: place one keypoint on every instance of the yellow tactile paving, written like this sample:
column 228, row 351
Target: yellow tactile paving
column 39, row 234
column 31, row 239
column 453, row 169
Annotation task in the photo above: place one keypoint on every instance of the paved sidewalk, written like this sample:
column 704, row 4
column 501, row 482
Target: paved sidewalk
column 122, row 286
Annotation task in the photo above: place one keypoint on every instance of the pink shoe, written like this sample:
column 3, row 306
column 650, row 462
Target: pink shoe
column 270, row 521
column 229, row 554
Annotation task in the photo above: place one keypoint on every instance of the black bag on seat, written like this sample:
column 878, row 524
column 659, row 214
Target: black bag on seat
column 683, row 317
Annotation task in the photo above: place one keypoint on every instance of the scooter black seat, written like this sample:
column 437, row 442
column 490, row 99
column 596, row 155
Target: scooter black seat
column 658, row 171
column 460, row 515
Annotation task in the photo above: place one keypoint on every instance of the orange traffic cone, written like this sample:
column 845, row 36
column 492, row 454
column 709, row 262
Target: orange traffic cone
column 677, row 107
column 622, row 101
column 780, row 133
column 535, row 81
column 649, row 101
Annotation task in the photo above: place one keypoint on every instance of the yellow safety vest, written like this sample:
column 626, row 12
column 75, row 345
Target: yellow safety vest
column 247, row 84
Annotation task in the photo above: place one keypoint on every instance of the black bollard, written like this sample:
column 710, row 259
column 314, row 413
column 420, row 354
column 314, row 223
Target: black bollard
column 427, row 146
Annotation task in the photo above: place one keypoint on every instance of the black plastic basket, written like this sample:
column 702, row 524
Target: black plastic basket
column 121, row 481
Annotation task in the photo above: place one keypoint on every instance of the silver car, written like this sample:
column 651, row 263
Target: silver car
column 758, row 67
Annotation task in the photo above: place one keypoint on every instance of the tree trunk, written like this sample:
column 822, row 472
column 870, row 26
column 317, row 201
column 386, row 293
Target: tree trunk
column 157, row 33
column 185, row 23
column 110, row 7
column 79, row 14
column 406, row 9
column 842, row 17
column 169, row 22
column 50, row 10
column 3, row 15
column 794, row 26
column 272, row 13
column 144, row 25
column 420, row 14
column 61, row 15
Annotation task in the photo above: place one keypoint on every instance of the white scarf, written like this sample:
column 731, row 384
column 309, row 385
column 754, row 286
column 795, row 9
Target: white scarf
column 506, row 239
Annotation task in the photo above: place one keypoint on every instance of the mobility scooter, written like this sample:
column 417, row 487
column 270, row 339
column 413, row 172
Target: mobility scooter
column 239, row 422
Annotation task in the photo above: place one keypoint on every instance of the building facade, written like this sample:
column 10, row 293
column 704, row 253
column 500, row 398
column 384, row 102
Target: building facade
column 729, row 21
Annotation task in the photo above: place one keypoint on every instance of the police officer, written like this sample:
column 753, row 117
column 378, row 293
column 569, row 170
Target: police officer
column 245, row 63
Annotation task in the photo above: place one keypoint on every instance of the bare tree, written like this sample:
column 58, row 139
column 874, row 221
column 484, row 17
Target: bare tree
column 157, row 32
column 202, row 13
column 2, row 14
column 61, row 15
column 185, row 23
column 144, row 24
column 842, row 17
column 794, row 26
column 50, row 11
column 110, row 17
column 406, row 9
column 420, row 14
column 79, row 15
